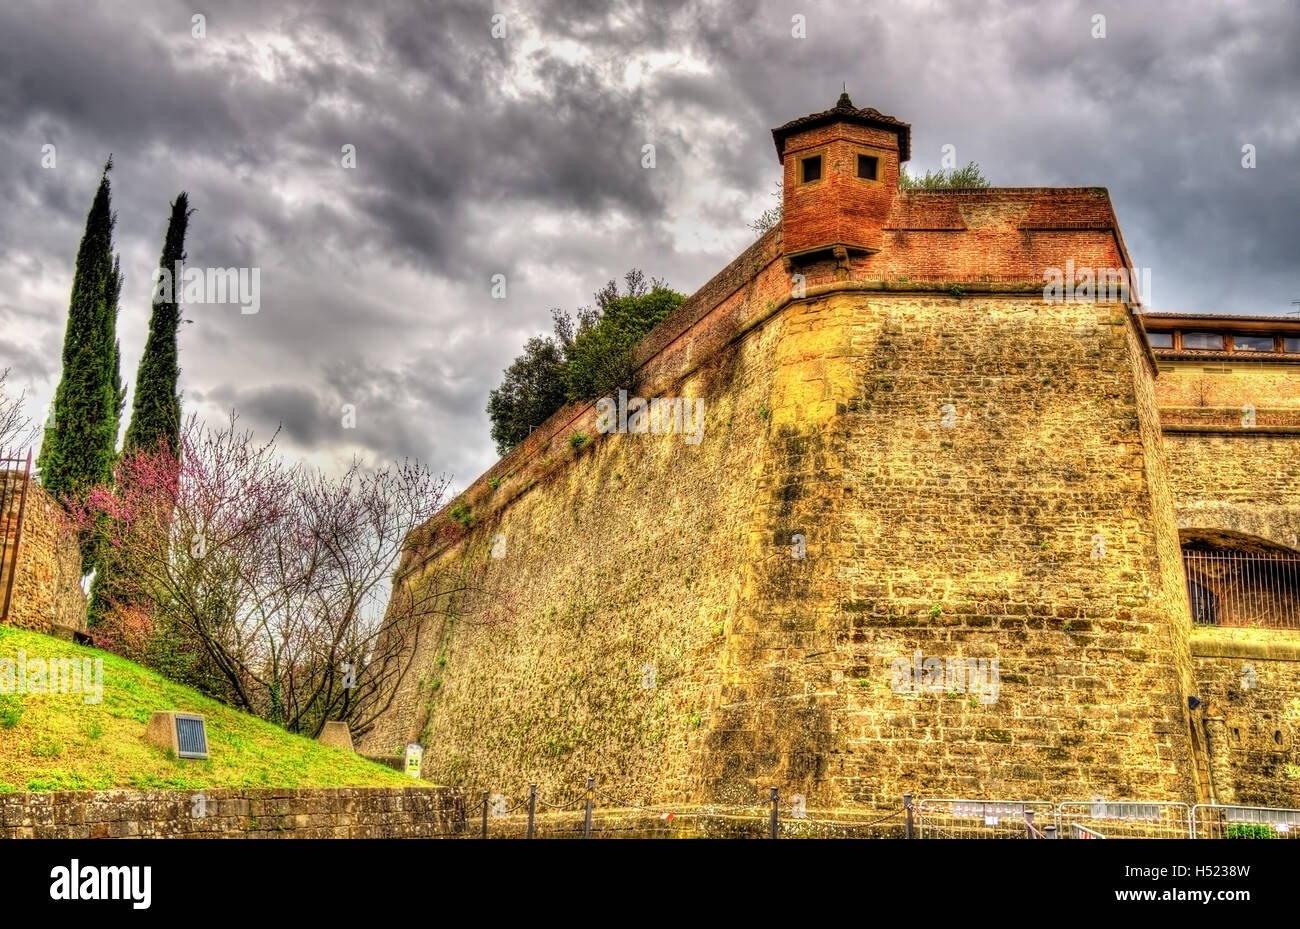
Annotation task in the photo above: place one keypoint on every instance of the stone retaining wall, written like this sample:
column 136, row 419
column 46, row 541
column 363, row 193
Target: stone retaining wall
column 335, row 813
column 47, row 587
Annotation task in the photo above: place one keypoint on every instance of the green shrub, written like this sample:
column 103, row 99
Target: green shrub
column 47, row 748
column 11, row 710
column 956, row 178
column 1248, row 831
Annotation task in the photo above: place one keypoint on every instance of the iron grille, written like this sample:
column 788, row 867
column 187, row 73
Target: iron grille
column 1243, row 589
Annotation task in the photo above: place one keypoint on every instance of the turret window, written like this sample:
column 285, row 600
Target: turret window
column 867, row 166
column 811, row 168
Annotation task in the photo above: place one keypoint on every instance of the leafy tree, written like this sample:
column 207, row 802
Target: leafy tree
column 588, row 354
column 78, row 449
column 533, row 389
column 599, row 360
column 968, row 176
column 270, row 585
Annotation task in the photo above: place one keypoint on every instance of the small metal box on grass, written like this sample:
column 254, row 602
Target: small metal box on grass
column 184, row 733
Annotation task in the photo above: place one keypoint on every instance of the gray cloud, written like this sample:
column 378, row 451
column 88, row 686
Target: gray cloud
column 521, row 156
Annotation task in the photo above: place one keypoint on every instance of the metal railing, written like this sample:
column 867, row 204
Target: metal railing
column 1243, row 589
column 15, row 476
column 591, row 813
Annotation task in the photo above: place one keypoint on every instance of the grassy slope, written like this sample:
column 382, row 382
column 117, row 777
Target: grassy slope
column 59, row 742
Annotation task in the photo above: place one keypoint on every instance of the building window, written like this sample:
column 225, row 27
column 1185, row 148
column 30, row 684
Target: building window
column 812, row 168
column 1252, row 343
column 1161, row 339
column 1211, row 341
column 867, row 165
column 1291, row 345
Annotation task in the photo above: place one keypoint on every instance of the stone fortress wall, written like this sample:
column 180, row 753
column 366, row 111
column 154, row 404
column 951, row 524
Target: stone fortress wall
column 908, row 454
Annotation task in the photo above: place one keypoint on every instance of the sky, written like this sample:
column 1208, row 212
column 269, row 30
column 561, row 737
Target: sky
column 507, row 139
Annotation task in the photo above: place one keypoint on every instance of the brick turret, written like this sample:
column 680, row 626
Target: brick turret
column 841, row 178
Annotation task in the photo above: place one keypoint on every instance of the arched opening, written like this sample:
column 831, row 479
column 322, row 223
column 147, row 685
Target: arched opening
column 1235, row 579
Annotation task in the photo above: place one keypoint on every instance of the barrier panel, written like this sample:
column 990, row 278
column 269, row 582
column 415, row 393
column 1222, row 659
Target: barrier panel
column 983, row 819
column 1101, row 819
column 1212, row 821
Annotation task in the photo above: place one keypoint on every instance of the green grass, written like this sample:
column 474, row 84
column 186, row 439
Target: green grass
column 60, row 742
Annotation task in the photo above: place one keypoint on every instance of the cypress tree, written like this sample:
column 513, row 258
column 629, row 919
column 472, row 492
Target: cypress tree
column 114, row 292
column 78, row 448
column 156, row 408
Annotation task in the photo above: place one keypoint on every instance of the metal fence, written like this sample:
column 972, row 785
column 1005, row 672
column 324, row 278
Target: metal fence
column 592, row 813
column 1098, row 819
column 1242, row 589
column 982, row 819
column 15, row 476
column 1245, row 822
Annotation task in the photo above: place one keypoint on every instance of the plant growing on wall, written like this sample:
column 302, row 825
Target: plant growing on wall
column 969, row 176
column 772, row 215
